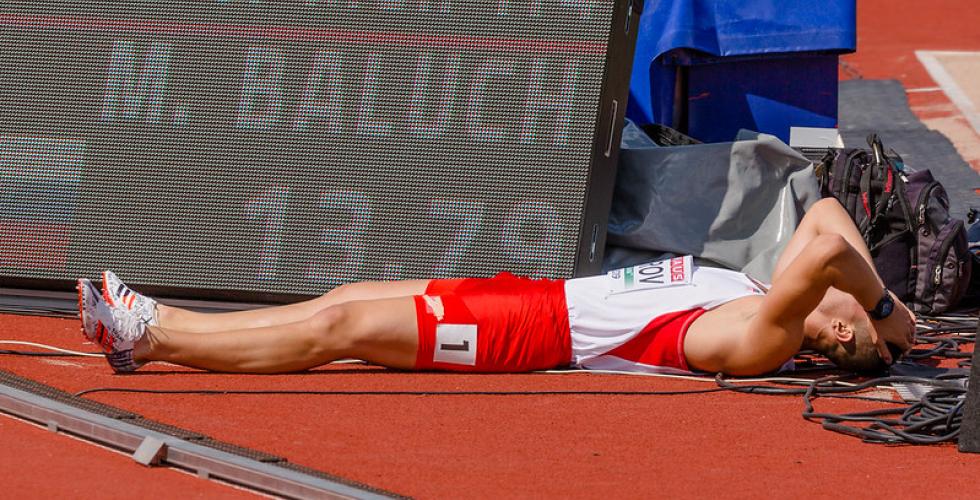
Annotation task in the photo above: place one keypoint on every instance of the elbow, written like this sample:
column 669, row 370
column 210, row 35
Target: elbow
column 829, row 249
column 825, row 258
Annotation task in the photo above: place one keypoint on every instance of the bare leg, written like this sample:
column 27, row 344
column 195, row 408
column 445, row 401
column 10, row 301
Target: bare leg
column 173, row 318
column 381, row 331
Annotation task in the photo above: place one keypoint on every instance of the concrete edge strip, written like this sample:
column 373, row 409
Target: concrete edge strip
column 206, row 462
column 930, row 59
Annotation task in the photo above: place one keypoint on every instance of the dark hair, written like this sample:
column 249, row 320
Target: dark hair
column 860, row 355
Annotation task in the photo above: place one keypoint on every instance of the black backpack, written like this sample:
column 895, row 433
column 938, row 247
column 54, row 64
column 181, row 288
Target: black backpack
column 919, row 250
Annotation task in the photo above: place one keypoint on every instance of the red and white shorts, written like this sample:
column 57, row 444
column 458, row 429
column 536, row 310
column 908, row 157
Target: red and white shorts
column 500, row 324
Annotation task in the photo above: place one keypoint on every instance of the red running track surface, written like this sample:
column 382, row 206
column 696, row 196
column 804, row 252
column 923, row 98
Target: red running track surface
column 35, row 463
column 890, row 31
column 470, row 446
column 889, row 34
column 704, row 446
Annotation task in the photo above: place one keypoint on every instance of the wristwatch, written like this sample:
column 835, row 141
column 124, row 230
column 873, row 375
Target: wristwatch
column 883, row 308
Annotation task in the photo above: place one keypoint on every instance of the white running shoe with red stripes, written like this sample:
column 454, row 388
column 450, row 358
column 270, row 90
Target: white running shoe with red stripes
column 115, row 329
column 119, row 330
column 117, row 294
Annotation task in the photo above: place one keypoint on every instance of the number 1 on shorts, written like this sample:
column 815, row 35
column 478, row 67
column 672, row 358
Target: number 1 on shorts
column 456, row 344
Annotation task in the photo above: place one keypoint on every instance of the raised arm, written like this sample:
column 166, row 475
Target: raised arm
column 775, row 334
column 828, row 217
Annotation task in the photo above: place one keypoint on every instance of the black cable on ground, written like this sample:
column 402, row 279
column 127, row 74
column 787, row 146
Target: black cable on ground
column 8, row 352
column 936, row 417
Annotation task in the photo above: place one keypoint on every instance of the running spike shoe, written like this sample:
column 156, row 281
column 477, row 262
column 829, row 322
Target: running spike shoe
column 119, row 330
column 89, row 298
column 117, row 294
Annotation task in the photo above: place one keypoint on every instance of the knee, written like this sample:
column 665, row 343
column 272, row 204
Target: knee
column 329, row 329
column 339, row 294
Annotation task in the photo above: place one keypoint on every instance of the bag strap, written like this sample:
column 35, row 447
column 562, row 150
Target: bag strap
column 903, row 201
column 876, row 213
column 894, row 182
column 822, row 171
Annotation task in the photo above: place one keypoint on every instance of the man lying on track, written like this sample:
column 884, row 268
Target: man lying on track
column 668, row 317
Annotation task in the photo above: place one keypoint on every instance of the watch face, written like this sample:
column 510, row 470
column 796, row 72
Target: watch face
column 883, row 308
column 886, row 307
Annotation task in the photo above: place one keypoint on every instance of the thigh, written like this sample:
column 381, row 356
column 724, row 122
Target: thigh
column 381, row 331
column 372, row 290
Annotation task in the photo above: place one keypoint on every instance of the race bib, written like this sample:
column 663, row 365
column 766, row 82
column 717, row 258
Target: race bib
column 652, row 275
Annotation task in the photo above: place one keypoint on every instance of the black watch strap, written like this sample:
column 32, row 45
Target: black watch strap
column 884, row 307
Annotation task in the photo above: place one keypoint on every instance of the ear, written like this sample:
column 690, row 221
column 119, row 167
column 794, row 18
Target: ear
column 844, row 332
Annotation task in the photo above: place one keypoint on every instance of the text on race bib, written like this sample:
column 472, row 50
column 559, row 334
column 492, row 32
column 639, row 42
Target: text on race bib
column 652, row 275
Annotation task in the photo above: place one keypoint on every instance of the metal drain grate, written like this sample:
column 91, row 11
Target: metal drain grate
column 44, row 404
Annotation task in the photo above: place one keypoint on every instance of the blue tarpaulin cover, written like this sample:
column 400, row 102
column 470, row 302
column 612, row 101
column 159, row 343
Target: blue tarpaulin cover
column 740, row 27
column 731, row 28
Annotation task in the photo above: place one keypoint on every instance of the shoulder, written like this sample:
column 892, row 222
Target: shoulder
column 735, row 339
column 717, row 335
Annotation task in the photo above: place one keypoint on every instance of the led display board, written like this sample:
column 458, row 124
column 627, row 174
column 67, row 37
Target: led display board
column 268, row 148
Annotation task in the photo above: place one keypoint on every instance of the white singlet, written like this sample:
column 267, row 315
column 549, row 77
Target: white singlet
column 606, row 312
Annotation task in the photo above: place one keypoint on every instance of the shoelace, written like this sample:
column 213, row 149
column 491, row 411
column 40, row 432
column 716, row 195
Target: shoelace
column 148, row 310
column 129, row 327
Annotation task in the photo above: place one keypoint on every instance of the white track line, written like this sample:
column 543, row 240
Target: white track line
column 924, row 90
column 930, row 59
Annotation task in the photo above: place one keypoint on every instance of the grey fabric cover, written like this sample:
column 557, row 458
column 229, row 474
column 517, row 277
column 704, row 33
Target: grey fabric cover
column 735, row 204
